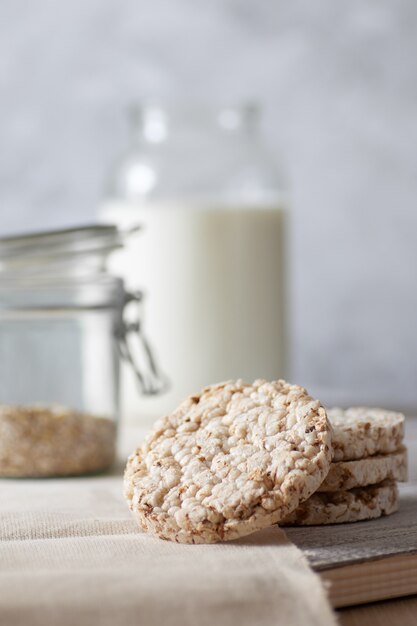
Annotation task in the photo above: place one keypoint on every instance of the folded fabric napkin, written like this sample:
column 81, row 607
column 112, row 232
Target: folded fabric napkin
column 70, row 553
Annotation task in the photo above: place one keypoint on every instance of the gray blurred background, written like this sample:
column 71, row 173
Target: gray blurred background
column 338, row 83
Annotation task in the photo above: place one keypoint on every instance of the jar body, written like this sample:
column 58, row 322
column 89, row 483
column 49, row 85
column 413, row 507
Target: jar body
column 211, row 258
column 62, row 332
column 58, row 391
column 60, row 357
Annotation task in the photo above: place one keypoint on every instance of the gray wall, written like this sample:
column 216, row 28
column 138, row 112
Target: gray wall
column 338, row 82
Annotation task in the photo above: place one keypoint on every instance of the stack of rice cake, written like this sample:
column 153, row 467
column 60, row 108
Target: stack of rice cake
column 237, row 457
column 368, row 460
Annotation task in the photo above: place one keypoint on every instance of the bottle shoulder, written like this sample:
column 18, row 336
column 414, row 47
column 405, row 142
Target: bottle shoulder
column 231, row 170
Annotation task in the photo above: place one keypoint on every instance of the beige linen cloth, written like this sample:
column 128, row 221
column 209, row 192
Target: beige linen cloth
column 71, row 554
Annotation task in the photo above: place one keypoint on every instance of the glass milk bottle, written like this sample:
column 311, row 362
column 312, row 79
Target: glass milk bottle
column 210, row 250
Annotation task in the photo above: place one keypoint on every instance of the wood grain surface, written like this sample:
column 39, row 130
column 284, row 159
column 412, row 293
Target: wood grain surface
column 390, row 613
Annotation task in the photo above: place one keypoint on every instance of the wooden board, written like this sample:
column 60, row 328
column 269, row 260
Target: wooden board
column 366, row 561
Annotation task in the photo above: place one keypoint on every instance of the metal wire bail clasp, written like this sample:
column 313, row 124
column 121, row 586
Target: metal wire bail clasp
column 135, row 349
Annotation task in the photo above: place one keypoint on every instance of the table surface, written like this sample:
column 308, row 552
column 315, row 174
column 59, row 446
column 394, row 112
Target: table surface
column 391, row 612
column 28, row 518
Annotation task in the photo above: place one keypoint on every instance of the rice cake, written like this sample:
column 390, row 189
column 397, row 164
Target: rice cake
column 231, row 460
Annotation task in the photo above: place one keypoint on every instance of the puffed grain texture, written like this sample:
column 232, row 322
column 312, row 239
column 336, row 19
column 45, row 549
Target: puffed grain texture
column 339, row 507
column 359, row 432
column 229, row 461
column 372, row 470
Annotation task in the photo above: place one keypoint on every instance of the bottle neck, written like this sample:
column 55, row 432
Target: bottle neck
column 154, row 124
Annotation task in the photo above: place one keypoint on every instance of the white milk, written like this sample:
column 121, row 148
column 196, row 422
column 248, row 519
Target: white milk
column 215, row 295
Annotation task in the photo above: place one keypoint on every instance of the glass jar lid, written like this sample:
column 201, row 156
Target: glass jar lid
column 30, row 251
column 60, row 268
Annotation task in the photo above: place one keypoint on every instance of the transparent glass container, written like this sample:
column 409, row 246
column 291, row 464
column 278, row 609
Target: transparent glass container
column 63, row 328
column 211, row 256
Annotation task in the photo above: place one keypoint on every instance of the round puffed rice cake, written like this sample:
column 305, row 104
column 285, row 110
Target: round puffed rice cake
column 229, row 461
column 339, row 507
column 369, row 471
column 359, row 432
